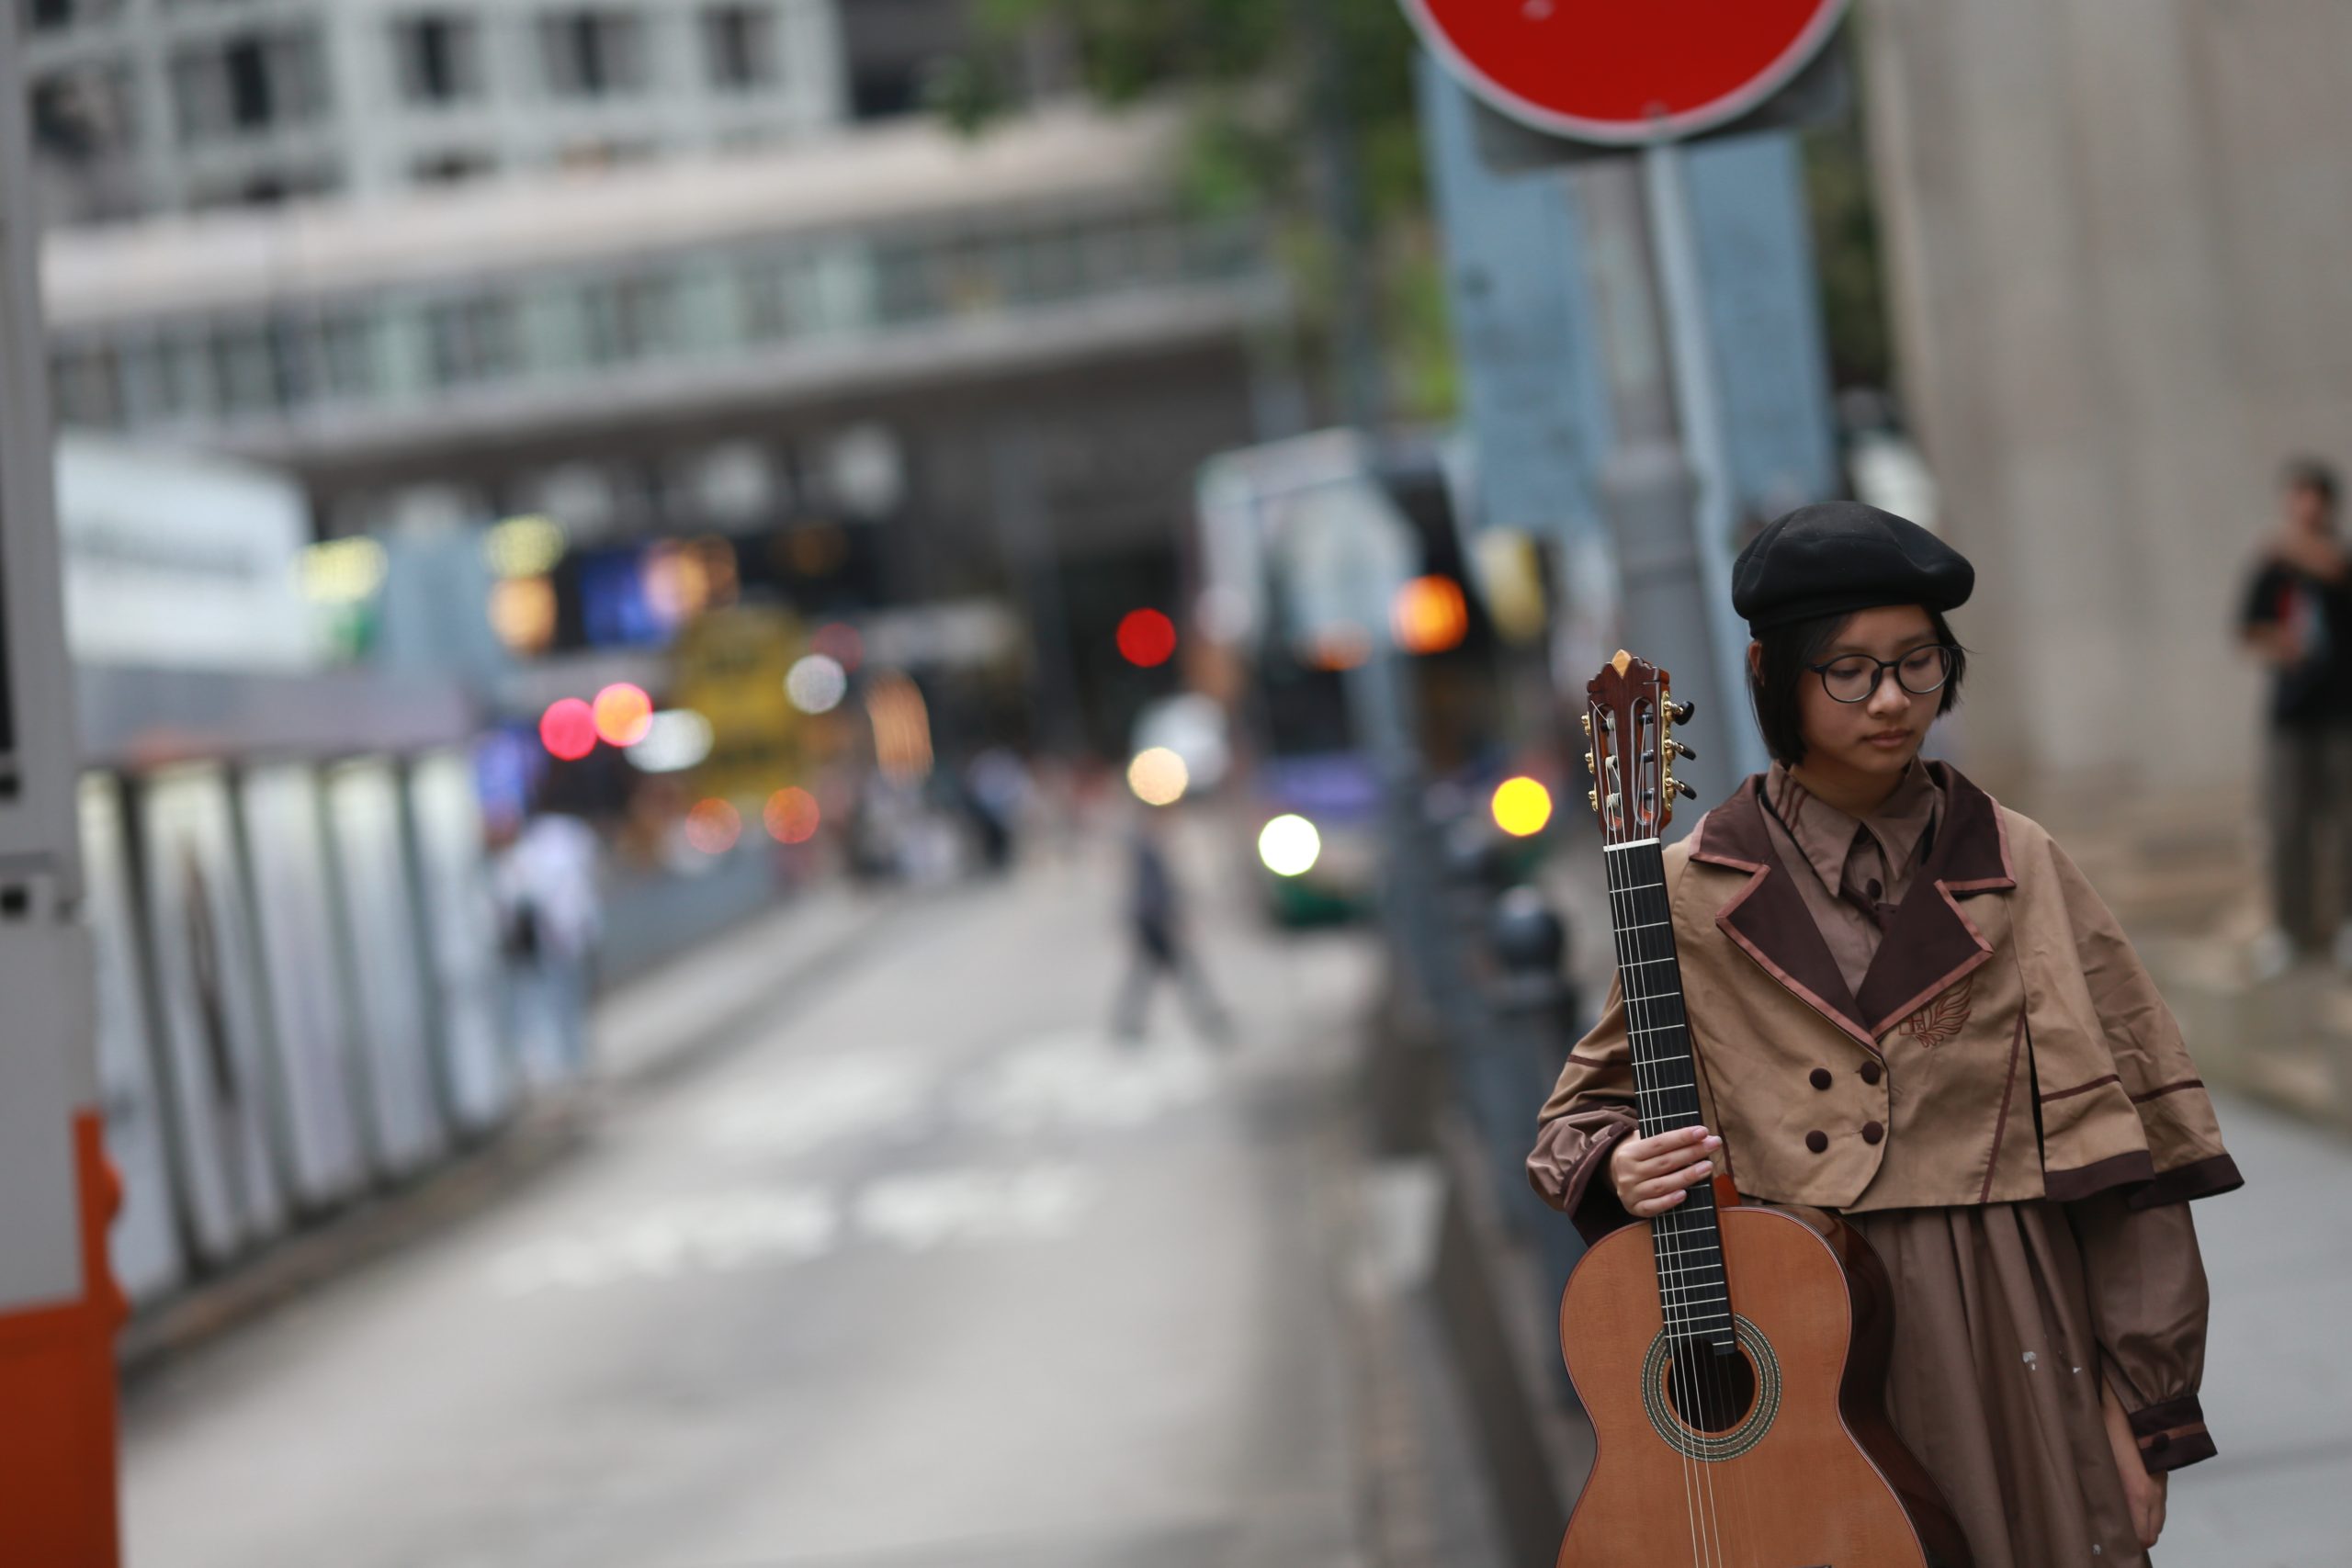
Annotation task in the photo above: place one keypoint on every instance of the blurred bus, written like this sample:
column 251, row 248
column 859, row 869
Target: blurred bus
column 1321, row 557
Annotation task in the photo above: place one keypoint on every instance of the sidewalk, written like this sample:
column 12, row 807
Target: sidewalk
column 643, row 1031
column 2277, row 1390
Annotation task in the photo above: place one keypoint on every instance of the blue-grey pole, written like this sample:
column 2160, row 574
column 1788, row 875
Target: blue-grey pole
column 1699, row 410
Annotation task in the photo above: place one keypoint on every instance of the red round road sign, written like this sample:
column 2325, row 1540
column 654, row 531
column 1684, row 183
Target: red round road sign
column 1618, row 72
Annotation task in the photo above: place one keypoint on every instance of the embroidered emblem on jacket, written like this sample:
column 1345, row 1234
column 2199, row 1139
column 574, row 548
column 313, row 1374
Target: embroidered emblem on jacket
column 1940, row 1020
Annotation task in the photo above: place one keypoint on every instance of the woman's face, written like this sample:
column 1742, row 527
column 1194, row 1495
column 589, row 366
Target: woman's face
column 1878, row 735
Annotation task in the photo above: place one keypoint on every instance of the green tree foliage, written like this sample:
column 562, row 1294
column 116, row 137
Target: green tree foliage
column 1265, row 78
column 1270, row 85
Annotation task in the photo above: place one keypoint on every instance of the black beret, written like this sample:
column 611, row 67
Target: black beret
column 1837, row 557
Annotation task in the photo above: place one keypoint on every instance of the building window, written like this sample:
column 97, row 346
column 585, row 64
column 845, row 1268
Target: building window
column 471, row 339
column 347, row 353
column 249, row 84
column 451, row 168
column 593, row 54
column 775, row 293
column 88, row 385
column 251, row 368
column 627, row 318
column 439, row 56
column 82, row 117
column 739, row 46
column 50, row 16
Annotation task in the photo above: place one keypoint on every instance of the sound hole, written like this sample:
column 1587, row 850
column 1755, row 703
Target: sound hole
column 1711, row 1390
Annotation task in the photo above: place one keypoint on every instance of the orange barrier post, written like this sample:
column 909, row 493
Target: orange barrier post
column 57, row 1397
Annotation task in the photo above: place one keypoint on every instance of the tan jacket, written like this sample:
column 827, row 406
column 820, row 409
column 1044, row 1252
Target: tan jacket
column 2004, row 1044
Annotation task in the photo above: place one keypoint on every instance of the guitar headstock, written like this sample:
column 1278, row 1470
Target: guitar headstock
column 1630, row 714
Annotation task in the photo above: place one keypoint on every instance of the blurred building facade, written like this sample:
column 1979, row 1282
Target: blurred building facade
column 2116, row 240
column 147, row 105
column 704, row 269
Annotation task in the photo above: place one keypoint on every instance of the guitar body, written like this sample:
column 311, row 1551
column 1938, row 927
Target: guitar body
column 1804, row 1473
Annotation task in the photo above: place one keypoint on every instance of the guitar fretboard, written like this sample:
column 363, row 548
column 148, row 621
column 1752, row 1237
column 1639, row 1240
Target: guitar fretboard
column 1686, row 1240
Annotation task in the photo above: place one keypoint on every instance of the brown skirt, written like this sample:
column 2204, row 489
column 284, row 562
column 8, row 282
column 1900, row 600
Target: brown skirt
column 1995, row 1382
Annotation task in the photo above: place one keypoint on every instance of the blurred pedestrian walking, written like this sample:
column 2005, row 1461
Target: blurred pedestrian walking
column 2298, row 617
column 1156, row 923
column 553, row 921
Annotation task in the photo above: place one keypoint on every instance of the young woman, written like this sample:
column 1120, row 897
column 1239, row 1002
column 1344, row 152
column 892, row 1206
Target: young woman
column 1908, row 1007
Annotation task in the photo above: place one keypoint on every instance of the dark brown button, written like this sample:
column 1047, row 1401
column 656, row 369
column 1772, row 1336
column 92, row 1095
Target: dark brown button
column 2160, row 1442
column 1873, row 1132
column 1816, row 1141
column 1821, row 1078
column 1870, row 1071
column 1873, row 888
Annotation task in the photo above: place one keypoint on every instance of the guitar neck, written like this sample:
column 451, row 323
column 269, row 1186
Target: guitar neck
column 1689, row 1245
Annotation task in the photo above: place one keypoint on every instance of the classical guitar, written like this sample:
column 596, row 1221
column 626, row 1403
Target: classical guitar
column 1731, row 1357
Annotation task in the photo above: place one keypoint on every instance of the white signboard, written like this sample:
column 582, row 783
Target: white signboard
column 379, row 928
column 280, row 809
column 179, row 561
column 144, row 1244
column 461, row 936
column 211, row 1020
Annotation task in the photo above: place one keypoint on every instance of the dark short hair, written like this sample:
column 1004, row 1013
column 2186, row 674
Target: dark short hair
column 2312, row 474
column 1785, row 661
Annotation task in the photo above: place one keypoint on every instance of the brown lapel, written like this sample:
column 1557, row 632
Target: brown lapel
column 1928, row 944
column 1767, row 918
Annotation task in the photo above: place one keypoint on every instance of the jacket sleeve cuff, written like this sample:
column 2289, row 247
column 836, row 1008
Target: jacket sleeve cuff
column 2171, row 1434
column 1578, row 1186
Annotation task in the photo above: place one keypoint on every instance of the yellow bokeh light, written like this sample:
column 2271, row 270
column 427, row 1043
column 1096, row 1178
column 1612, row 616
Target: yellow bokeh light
column 1158, row 776
column 1521, row 807
column 343, row 571
column 524, row 547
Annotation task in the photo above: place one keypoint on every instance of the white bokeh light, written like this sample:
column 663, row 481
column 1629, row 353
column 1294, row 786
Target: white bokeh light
column 1289, row 845
column 817, row 683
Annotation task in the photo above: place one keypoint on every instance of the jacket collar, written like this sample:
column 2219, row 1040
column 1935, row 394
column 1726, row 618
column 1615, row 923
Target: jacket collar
column 1824, row 835
column 1929, row 942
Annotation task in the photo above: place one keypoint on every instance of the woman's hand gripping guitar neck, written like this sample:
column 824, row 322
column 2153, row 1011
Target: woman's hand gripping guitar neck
column 1651, row 1175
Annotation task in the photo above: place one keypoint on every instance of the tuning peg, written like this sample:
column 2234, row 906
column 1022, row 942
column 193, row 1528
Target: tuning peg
column 1681, row 712
column 1587, row 716
column 1588, row 763
column 1682, row 788
column 1592, row 797
column 1682, row 750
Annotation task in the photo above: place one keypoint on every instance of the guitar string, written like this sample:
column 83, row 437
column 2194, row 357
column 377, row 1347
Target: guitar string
column 1689, row 1353
column 1631, row 1002
column 1716, row 1375
column 1695, row 1361
column 1664, row 1253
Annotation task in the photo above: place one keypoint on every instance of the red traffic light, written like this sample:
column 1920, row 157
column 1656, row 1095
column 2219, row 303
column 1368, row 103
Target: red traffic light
column 1147, row 638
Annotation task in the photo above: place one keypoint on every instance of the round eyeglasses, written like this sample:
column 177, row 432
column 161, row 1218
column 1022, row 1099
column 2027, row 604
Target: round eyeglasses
column 1852, row 677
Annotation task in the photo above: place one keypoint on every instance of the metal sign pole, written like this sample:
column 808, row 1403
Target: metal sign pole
column 1683, row 303
column 59, row 1305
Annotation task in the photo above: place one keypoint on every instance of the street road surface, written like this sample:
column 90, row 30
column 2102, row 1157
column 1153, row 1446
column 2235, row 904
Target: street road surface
column 927, row 1271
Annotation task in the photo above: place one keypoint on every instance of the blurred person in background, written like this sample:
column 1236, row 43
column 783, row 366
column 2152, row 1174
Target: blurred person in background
column 1157, row 925
column 996, row 796
column 2298, row 618
column 552, row 920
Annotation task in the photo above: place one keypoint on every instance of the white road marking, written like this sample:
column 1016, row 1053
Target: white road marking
column 823, row 1102
column 917, row 1211
column 1084, row 1080
column 932, row 1208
